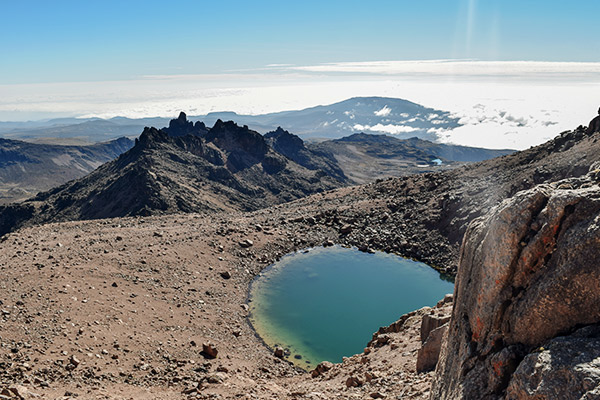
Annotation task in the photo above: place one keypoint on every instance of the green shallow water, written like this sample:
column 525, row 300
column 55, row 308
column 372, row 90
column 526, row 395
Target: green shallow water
column 326, row 304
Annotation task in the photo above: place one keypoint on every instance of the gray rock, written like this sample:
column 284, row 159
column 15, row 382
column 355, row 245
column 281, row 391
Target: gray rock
column 566, row 368
column 428, row 354
column 431, row 322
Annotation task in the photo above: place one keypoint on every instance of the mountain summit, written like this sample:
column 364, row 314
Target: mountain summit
column 224, row 168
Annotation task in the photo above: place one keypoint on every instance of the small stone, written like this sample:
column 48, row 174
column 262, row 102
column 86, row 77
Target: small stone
column 74, row 361
column 353, row 381
column 345, row 229
column 321, row 368
column 225, row 275
column 246, row 243
column 209, row 350
column 278, row 352
column 218, row 377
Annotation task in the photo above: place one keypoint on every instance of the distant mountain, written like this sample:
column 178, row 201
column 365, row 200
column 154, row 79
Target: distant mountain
column 381, row 115
column 365, row 157
column 27, row 168
column 401, row 118
column 224, row 168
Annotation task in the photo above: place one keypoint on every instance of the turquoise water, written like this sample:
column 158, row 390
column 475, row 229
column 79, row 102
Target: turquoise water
column 326, row 304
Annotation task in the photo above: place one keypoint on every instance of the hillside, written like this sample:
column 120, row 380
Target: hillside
column 28, row 168
column 366, row 157
column 226, row 168
column 139, row 321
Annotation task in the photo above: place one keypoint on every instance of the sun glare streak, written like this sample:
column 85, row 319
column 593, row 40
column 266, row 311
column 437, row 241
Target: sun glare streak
column 470, row 26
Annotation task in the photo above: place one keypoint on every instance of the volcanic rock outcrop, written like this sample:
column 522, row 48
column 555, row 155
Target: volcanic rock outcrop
column 527, row 283
column 227, row 168
column 293, row 147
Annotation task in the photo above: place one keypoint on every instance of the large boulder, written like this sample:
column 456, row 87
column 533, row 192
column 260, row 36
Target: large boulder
column 528, row 273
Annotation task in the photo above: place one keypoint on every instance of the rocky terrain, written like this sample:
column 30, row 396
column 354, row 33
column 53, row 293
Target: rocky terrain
column 155, row 306
column 138, row 308
column 187, row 167
column 28, row 168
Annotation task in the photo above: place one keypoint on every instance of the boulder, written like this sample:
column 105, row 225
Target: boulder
column 279, row 352
column 321, row 368
column 566, row 368
column 528, row 272
column 428, row 354
column 431, row 322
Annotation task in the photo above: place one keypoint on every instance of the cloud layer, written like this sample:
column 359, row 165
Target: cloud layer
column 501, row 104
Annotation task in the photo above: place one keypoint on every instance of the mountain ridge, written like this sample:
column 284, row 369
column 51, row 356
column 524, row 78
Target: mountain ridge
column 227, row 168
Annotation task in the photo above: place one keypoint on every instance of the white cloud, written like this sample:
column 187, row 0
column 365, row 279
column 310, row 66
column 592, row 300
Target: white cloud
column 392, row 129
column 384, row 112
column 464, row 68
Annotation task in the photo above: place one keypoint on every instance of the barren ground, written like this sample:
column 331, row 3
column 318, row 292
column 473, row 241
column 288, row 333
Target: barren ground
column 121, row 308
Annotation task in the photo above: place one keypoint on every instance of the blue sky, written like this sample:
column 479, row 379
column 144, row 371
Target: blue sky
column 58, row 41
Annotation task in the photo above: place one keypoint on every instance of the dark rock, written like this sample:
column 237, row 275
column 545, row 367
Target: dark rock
column 321, row 368
column 279, row 352
column 345, row 229
column 353, row 381
column 225, row 275
column 209, row 350
column 246, row 243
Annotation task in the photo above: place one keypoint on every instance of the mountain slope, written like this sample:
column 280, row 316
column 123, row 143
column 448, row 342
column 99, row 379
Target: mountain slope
column 366, row 157
column 27, row 168
column 399, row 117
column 228, row 168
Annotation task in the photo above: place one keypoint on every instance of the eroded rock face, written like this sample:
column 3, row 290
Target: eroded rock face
column 528, row 273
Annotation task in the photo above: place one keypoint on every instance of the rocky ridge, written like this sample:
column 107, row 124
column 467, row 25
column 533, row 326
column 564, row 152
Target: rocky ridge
column 227, row 168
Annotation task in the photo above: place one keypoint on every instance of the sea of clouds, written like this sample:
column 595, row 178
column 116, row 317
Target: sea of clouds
column 500, row 104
